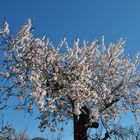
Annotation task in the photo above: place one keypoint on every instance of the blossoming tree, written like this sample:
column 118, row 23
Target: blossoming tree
column 89, row 83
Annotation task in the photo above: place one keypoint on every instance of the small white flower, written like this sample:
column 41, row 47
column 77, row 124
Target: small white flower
column 55, row 78
column 6, row 28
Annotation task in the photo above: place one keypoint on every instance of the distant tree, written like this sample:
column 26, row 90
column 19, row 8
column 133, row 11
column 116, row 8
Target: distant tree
column 7, row 132
column 124, row 133
column 89, row 83
column 117, row 133
column 21, row 135
column 6, row 129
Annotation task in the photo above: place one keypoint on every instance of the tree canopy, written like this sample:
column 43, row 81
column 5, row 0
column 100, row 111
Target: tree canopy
column 88, row 78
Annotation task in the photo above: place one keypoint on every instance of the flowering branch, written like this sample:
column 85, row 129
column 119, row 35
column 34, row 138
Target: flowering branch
column 34, row 71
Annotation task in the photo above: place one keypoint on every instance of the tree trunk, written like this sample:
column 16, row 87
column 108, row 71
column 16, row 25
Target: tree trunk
column 80, row 129
column 75, row 125
column 81, row 124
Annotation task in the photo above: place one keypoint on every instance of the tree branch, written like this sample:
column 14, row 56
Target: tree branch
column 114, row 100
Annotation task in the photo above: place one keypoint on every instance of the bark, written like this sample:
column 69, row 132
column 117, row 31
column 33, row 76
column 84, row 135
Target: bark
column 75, row 125
column 82, row 123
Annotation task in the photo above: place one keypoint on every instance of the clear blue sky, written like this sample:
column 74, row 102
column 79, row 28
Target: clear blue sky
column 86, row 19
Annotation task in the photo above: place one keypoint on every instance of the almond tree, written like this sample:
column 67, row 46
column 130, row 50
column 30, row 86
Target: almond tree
column 89, row 83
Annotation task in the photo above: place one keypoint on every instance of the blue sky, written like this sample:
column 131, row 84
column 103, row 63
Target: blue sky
column 86, row 19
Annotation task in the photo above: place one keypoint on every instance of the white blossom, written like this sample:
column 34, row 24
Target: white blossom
column 102, row 78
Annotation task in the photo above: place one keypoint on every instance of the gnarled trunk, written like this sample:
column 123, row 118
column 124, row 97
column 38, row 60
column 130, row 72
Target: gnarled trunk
column 81, row 124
